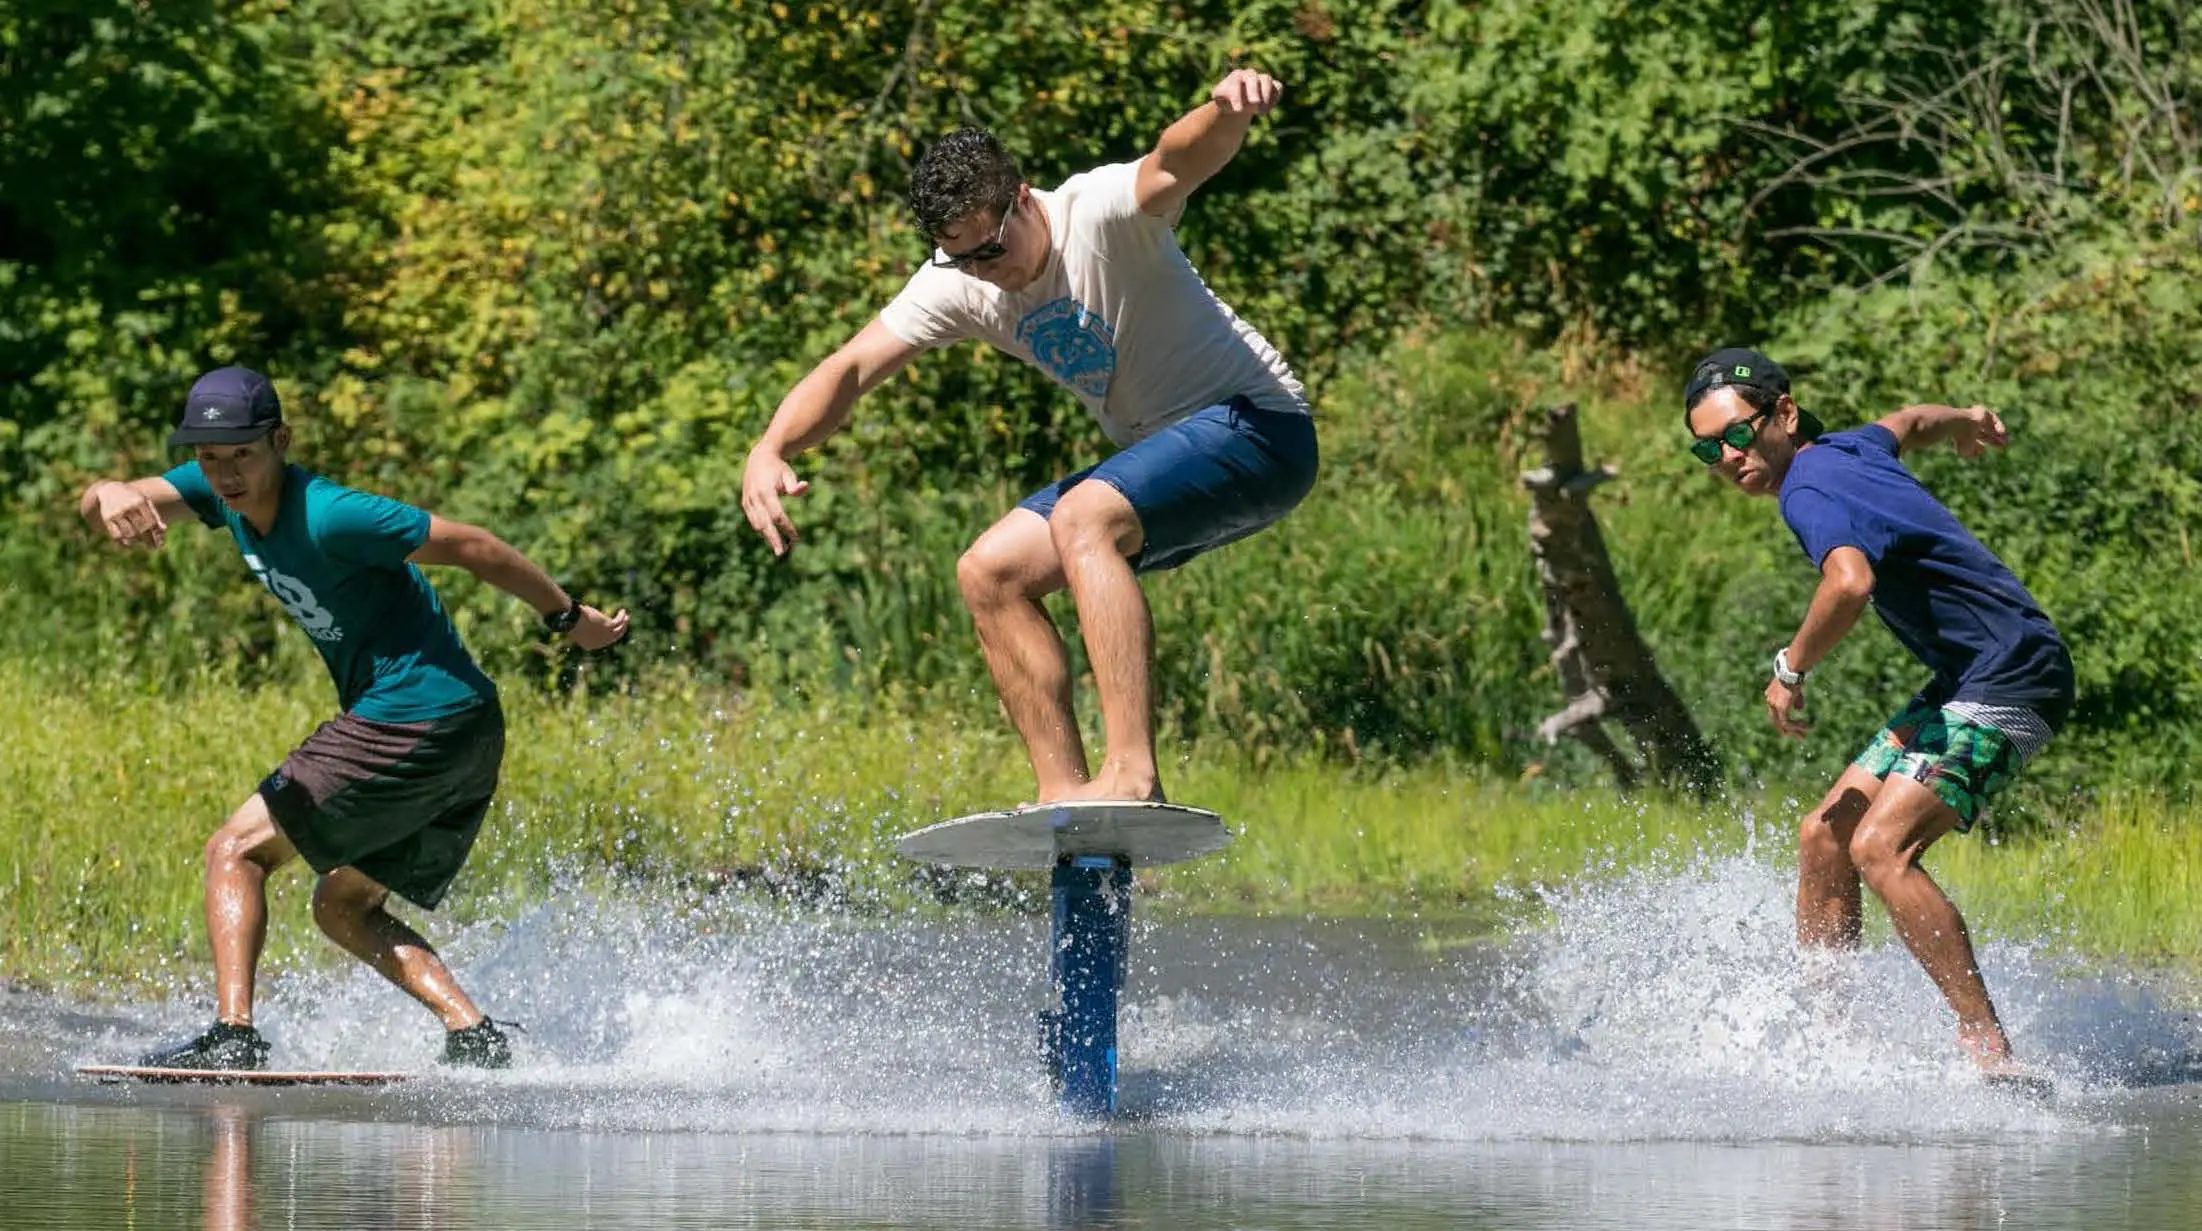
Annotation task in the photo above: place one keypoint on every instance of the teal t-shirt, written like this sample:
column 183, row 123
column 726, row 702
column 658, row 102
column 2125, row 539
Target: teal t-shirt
column 336, row 560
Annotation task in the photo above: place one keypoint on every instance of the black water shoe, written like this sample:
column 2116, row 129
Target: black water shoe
column 479, row 1046
column 225, row 1046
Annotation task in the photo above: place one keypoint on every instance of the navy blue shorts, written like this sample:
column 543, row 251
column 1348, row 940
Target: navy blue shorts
column 1213, row 477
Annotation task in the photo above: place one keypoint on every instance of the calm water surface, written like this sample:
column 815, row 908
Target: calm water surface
column 1655, row 1058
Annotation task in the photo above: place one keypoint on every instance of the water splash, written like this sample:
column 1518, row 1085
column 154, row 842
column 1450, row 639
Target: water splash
column 1663, row 1003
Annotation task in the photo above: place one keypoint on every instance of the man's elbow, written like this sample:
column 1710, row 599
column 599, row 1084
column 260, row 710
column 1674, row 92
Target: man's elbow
column 1852, row 580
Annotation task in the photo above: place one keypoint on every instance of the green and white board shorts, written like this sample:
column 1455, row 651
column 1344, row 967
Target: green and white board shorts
column 1965, row 752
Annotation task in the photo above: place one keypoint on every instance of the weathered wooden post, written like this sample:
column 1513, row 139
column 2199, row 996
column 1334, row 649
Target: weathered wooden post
column 1601, row 660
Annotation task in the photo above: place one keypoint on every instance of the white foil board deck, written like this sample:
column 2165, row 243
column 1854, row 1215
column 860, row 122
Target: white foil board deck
column 1039, row 835
column 236, row 1077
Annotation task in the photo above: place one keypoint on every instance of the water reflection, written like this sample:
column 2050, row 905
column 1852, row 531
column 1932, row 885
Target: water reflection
column 1082, row 1186
column 227, row 1192
column 254, row 1164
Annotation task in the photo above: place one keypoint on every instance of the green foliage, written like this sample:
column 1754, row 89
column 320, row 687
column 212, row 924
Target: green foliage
column 160, row 168
column 549, row 266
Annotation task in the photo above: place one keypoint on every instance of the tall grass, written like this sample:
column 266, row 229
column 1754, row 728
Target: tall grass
column 682, row 788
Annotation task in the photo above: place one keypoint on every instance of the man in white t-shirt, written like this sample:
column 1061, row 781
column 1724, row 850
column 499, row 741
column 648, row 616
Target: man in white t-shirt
column 1087, row 283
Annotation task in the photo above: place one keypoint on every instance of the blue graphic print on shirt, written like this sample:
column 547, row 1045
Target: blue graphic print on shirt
column 1071, row 343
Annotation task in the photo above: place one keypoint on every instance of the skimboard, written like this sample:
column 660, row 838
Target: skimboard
column 1041, row 835
column 112, row 1073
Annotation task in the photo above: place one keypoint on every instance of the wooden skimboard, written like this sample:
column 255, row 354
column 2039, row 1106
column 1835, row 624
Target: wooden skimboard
column 111, row 1073
column 1039, row 835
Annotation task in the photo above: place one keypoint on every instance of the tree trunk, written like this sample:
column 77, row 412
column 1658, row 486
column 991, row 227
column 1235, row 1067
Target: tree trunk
column 1600, row 659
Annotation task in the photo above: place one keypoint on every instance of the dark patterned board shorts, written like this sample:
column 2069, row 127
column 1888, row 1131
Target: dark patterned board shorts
column 1965, row 761
column 401, row 802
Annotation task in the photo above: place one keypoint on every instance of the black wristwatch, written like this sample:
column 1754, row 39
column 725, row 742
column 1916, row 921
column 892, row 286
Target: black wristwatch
column 562, row 622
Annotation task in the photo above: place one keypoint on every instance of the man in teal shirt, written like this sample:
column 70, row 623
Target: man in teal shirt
column 388, row 796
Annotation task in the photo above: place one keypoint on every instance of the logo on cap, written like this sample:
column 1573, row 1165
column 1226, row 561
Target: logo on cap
column 228, row 406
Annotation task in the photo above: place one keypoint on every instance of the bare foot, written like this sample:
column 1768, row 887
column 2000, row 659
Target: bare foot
column 1110, row 786
column 1988, row 1047
column 1990, row 1050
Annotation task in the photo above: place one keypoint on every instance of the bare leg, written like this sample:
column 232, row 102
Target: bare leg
column 1902, row 823
column 348, row 907
column 1003, row 577
column 1096, row 532
column 1829, row 912
column 239, row 857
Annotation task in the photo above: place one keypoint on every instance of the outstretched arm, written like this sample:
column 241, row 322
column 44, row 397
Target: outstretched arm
column 1197, row 146
column 500, row 564
column 812, row 411
column 133, row 514
column 1970, row 430
column 1846, row 586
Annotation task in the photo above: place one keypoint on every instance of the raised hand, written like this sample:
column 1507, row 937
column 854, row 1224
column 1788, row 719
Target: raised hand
column 1785, row 706
column 1245, row 91
column 765, row 479
column 129, row 517
column 1981, row 429
column 595, row 630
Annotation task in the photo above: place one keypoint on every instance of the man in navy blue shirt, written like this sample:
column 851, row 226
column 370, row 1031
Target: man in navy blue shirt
column 2001, row 684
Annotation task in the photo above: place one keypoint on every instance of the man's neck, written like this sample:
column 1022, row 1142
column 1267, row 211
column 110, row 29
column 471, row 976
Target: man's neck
column 261, row 516
column 1047, row 229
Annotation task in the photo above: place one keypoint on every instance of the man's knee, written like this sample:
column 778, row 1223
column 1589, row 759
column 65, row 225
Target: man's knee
column 1094, row 515
column 1014, row 561
column 343, row 898
column 1818, row 845
column 988, row 575
column 249, row 836
column 1882, row 853
column 1825, row 832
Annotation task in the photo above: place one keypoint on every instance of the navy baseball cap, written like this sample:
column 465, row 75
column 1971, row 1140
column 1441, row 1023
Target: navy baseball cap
column 1737, row 365
column 228, row 406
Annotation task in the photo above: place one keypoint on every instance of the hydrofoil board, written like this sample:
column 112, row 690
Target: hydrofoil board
column 1040, row 835
column 111, row 1073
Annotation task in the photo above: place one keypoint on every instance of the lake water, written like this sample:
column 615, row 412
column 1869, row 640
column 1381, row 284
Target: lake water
column 1653, row 1055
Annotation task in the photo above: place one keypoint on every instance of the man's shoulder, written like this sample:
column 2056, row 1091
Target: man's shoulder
column 324, row 493
column 1099, row 197
column 1106, row 175
column 1850, row 452
column 338, row 515
column 1829, row 469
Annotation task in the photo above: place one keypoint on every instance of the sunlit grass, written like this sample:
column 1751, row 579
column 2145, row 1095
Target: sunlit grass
column 2120, row 874
column 686, row 788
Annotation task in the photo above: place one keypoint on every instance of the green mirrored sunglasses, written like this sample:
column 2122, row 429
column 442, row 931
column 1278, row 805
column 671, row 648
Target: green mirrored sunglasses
column 1737, row 435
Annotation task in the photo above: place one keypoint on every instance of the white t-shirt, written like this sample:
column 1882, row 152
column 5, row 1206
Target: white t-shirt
column 1118, row 317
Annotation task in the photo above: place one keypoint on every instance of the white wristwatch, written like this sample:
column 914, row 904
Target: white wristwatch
column 1781, row 669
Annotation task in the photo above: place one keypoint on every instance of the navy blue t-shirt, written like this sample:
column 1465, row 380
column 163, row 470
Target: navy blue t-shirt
column 1947, row 598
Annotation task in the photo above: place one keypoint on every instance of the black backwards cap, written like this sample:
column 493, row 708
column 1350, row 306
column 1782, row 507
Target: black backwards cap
column 1737, row 365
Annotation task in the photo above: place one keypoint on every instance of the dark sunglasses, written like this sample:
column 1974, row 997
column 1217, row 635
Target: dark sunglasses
column 1737, row 435
column 991, row 250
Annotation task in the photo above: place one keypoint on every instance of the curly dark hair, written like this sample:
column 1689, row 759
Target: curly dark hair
column 963, row 173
